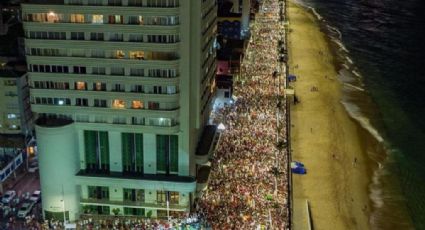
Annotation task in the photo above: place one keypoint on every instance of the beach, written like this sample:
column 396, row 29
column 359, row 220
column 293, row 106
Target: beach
column 323, row 136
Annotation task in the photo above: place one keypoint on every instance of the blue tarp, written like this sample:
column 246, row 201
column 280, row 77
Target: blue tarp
column 292, row 77
column 299, row 170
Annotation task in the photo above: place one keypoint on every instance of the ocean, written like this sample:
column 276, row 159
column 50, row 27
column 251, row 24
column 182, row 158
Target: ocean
column 380, row 50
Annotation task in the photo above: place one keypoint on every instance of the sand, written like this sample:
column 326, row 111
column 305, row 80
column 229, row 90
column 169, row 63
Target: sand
column 323, row 136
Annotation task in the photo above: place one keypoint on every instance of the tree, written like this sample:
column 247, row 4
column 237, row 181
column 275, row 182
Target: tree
column 116, row 211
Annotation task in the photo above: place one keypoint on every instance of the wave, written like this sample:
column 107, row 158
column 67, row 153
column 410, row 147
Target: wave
column 353, row 86
column 336, row 30
column 355, row 113
column 303, row 4
column 318, row 16
column 339, row 44
column 357, row 74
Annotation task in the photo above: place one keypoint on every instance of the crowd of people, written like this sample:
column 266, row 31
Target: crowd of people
column 186, row 221
column 248, row 184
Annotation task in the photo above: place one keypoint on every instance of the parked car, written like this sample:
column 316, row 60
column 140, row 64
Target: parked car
column 36, row 195
column 8, row 196
column 33, row 167
column 25, row 209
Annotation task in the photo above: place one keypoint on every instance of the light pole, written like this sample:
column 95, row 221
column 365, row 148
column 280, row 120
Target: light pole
column 168, row 210
column 63, row 206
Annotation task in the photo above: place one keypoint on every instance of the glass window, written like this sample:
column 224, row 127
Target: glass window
column 161, row 197
column 115, row 19
column 96, row 150
column 118, row 104
column 98, row 70
column 137, row 55
column 97, row 19
column 96, row 36
column 94, row 2
column 167, row 153
column 116, row 37
column 118, row 54
column 99, row 86
column 77, row 18
column 171, row 89
column 174, row 197
column 117, row 71
column 80, row 85
column 137, row 104
column 54, row 17
column 132, row 152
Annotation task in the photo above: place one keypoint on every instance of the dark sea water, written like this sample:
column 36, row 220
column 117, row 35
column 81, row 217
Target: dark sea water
column 381, row 49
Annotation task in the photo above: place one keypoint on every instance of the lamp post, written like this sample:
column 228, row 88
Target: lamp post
column 168, row 210
column 63, row 205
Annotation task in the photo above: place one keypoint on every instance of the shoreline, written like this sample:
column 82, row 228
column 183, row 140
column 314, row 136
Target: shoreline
column 324, row 137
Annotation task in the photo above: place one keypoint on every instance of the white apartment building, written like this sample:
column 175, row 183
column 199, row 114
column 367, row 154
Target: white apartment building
column 123, row 91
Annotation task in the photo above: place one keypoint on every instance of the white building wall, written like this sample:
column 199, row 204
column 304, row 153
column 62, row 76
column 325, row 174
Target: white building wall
column 58, row 161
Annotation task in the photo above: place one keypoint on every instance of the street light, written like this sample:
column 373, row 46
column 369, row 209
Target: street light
column 63, row 206
column 221, row 127
column 168, row 210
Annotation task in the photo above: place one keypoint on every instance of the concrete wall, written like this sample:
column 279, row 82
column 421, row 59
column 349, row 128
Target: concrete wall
column 59, row 162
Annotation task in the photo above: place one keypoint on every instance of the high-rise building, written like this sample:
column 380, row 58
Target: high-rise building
column 123, row 91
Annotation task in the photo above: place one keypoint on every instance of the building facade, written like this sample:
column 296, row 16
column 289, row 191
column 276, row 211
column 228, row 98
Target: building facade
column 16, row 122
column 122, row 90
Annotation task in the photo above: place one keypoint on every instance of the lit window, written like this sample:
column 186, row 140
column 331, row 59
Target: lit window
column 52, row 17
column 80, row 85
column 60, row 102
column 118, row 104
column 137, row 104
column 11, row 115
column 174, row 197
column 137, row 55
column 115, row 19
column 99, row 86
column 97, row 19
column 119, row 54
column 77, row 18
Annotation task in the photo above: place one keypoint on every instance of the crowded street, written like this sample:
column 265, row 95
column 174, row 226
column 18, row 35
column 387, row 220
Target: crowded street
column 248, row 183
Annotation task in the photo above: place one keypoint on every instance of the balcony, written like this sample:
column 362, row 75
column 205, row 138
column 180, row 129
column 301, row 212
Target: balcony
column 58, row 7
column 99, row 28
column 134, row 204
column 145, row 181
column 103, row 45
column 68, row 109
column 102, row 62
column 146, row 80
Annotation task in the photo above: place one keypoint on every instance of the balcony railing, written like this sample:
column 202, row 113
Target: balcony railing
column 174, row 207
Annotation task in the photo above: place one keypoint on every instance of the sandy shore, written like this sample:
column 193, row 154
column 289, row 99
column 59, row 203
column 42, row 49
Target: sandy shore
column 324, row 137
